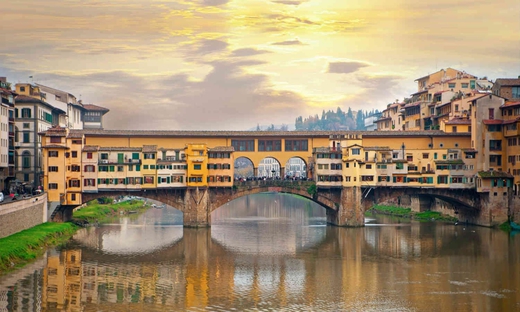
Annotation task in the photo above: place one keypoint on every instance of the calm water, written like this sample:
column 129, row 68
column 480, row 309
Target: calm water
column 271, row 252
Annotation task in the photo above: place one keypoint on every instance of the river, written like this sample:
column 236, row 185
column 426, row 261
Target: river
column 271, row 252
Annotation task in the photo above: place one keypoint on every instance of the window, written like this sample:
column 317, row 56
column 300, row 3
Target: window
column 90, row 168
column 73, row 183
column 399, row 166
column 89, row 155
column 409, row 157
column 149, row 155
column 135, row 155
column 75, row 168
column 296, row 145
column 454, row 129
column 356, row 151
column 53, row 168
column 494, row 128
column 104, row 156
column 197, row 166
column 52, row 153
column 425, row 155
column 464, row 85
column 515, row 92
column 269, row 145
column 243, row 145
column 148, row 180
column 26, row 137
column 89, row 182
column 451, row 85
column 55, row 139
column 26, row 113
column 491, row 113
column 472, row 84
column 74, row 154
column 53, row 186
column 120, row 169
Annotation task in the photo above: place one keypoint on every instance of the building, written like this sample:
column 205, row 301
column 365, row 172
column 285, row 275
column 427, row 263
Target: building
column 93, row 116
column 67, row 102
column 7, row 123
column 32, row 116
column 508, row 88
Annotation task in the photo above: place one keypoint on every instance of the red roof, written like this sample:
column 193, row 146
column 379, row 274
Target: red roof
column 508, row 82
column 510, row 104
column 93, row 107
column 492, row 121
column 458, row 121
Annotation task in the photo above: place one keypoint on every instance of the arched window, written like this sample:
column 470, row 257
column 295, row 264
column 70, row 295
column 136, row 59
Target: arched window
column 26, row 159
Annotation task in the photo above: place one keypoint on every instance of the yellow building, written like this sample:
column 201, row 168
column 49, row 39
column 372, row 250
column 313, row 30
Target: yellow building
column 197, row 163
column 220, row 166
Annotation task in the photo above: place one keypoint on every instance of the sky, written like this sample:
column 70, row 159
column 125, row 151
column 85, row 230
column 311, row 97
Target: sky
column 233, row 64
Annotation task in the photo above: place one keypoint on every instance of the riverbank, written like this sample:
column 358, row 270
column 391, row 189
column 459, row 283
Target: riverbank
column 408, row 213
column 96, row 212
column 22, row 247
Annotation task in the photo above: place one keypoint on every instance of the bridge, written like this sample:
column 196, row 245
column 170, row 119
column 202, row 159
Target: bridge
column 345, row 206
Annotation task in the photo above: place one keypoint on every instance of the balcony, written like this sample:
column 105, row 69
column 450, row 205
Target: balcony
column 117, row 162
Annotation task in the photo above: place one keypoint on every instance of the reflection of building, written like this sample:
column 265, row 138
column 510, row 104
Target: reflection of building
column 62, row 282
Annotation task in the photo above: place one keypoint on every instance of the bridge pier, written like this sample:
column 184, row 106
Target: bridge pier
column 351, row 211
column 196, row 208
column 420, row 203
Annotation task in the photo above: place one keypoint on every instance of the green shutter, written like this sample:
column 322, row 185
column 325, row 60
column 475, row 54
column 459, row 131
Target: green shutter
column 137, row 167
column 135, row 155
column 167, row 179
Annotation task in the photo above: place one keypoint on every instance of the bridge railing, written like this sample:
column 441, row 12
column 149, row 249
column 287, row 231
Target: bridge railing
column 294, row 184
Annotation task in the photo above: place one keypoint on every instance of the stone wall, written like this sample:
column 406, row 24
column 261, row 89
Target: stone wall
column 22, row 214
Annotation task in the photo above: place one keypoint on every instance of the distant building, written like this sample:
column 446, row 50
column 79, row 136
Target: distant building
column 508, row 88
column 7, row 159
column 93, row 116
column 370, row 122
column 33, row 115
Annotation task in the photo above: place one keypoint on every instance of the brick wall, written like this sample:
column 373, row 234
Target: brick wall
column 22, row 214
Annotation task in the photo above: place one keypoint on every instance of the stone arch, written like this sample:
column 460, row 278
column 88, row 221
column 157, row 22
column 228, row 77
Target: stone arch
column 298, row 169
column 239, row 172
column 270, row 167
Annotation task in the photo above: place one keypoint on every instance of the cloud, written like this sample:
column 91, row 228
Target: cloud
column 345, row 67
column 289, row 2
column 288, row 42
column 248, row 52
column 215, row 2
column 207, row 46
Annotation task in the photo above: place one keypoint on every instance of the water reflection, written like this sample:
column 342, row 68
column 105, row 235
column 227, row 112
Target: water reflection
column 271, row 257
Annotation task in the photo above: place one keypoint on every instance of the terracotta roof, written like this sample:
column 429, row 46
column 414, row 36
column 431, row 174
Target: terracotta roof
column 510, row 121
column 414, row 104
column 458, row 121
column 7, row 91
column 92, row 107
column 469, row 150
column 120, row 148
column 222, row 149
column 55, row 146
column 492, row 121
column 26, row 98
column 90, row 148
column 74, row 135
column 508, row 82
column 56, row 134
column 509, row 104
column 149, row 148
column 449, row 162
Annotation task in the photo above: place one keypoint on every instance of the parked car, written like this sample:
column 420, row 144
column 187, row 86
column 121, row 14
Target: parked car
column 1, row 197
